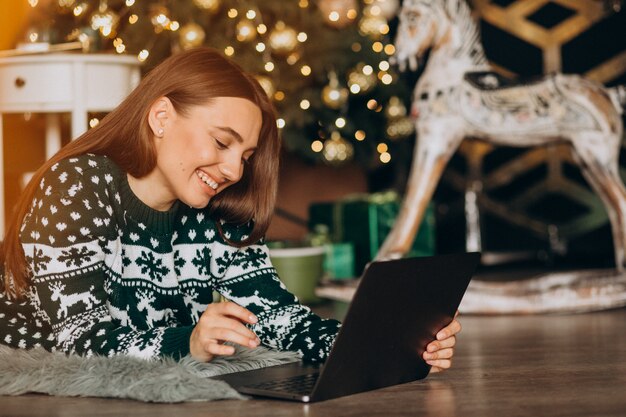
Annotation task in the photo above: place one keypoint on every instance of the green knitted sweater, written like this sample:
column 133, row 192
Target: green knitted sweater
column 112, row 276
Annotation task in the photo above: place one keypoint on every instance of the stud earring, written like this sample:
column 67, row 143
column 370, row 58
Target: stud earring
column 160, row 132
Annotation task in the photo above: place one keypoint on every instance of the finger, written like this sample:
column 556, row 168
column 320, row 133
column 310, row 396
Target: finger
column 228, row 335
column 440, row 354
column 215, row 348
column 232, row 324
column 441, row 344
column 440, row 363
column 235, row 310
column 229, row 308
column 434, row 369
column 215, row 326
column 450, row 330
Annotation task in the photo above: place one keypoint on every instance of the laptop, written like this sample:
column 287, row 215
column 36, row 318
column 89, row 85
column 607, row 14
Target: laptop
column 397, row 309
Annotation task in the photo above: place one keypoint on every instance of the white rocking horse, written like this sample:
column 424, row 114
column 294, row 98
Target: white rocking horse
column 456, row 97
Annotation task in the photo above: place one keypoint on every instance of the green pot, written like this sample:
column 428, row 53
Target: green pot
column 300, row 269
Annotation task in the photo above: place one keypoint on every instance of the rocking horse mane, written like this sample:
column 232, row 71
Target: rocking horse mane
column 458, row 10
column 460, row 14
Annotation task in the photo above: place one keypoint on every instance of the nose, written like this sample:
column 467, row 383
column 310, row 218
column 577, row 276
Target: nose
column 231, row 167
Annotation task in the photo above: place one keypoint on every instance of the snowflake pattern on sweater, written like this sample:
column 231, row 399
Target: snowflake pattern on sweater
column 112, row 276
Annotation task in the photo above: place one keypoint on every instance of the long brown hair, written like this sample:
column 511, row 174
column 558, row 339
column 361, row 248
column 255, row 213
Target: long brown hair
column 188, row 79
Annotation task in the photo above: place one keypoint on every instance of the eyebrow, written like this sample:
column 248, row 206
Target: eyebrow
column 232, row 132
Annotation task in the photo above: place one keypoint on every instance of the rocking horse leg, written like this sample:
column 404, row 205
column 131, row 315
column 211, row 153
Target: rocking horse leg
column 600, row 169
column 435, row 145
column 574, row 291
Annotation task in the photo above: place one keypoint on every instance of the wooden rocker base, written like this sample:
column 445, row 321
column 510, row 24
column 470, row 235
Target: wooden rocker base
column 557, row 292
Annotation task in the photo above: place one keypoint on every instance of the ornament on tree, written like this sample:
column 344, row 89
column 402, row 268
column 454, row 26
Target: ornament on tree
column 373, row 26
column 211, row 6
column 333, row 95
column 80, row 9
column 283, row 39
column 400, row 128
column 159, row 16
column 398, row 124
column 361, row 79
column 395, row 108
column 87, row 36
column 191, row 35
column 337, row 149
column 104, row 20
column 246, row 31
column 385, row 8
column 338, row 13
column 36, row 35
column 293, row 58
column 65, row 6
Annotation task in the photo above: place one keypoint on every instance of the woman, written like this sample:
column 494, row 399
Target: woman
column 121, row 238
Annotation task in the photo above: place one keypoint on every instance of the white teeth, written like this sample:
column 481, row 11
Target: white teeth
column 208, row 181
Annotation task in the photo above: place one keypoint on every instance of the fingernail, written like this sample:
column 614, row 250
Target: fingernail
column 253, row 343
column 252, row 318
column 441, row 335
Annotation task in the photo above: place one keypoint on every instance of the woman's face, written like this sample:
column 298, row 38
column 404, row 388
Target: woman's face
column 205, row 151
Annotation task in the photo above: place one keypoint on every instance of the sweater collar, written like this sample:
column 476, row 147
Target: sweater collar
column 159, row 222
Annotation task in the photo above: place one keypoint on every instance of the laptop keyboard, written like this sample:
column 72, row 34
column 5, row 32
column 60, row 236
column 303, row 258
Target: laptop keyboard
column 300, row 384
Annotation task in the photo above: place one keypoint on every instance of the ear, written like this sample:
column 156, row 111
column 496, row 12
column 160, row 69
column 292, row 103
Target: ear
column 161, row 112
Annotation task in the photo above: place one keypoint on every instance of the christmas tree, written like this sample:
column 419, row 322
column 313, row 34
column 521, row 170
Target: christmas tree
column 325, row 63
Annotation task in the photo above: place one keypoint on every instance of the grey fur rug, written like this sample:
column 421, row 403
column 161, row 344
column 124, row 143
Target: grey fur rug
column 163, row 381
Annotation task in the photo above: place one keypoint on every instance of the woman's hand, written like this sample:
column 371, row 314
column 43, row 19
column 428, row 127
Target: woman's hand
column 439, row 352
column 222, row 322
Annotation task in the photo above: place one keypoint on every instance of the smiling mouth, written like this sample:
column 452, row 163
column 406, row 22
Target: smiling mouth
column 205, row 179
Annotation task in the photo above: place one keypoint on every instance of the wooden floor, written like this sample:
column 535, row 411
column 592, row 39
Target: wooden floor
column 507, row 366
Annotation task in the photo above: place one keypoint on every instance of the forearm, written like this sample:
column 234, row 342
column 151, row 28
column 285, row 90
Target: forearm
column 294, row 327
column 283, row 322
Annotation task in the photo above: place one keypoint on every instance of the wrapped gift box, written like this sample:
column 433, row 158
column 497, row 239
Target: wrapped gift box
column 339, row 261
column 365, row 220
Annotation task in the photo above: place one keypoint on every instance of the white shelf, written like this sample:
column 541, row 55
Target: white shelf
column 62, row 83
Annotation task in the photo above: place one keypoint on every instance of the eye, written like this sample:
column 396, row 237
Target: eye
column 413, row 16
column 220, row 144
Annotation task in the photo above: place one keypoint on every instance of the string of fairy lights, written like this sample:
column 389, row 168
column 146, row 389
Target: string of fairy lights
column 274, row 40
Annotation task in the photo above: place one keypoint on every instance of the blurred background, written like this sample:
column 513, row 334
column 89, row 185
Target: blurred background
column 344, row 108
